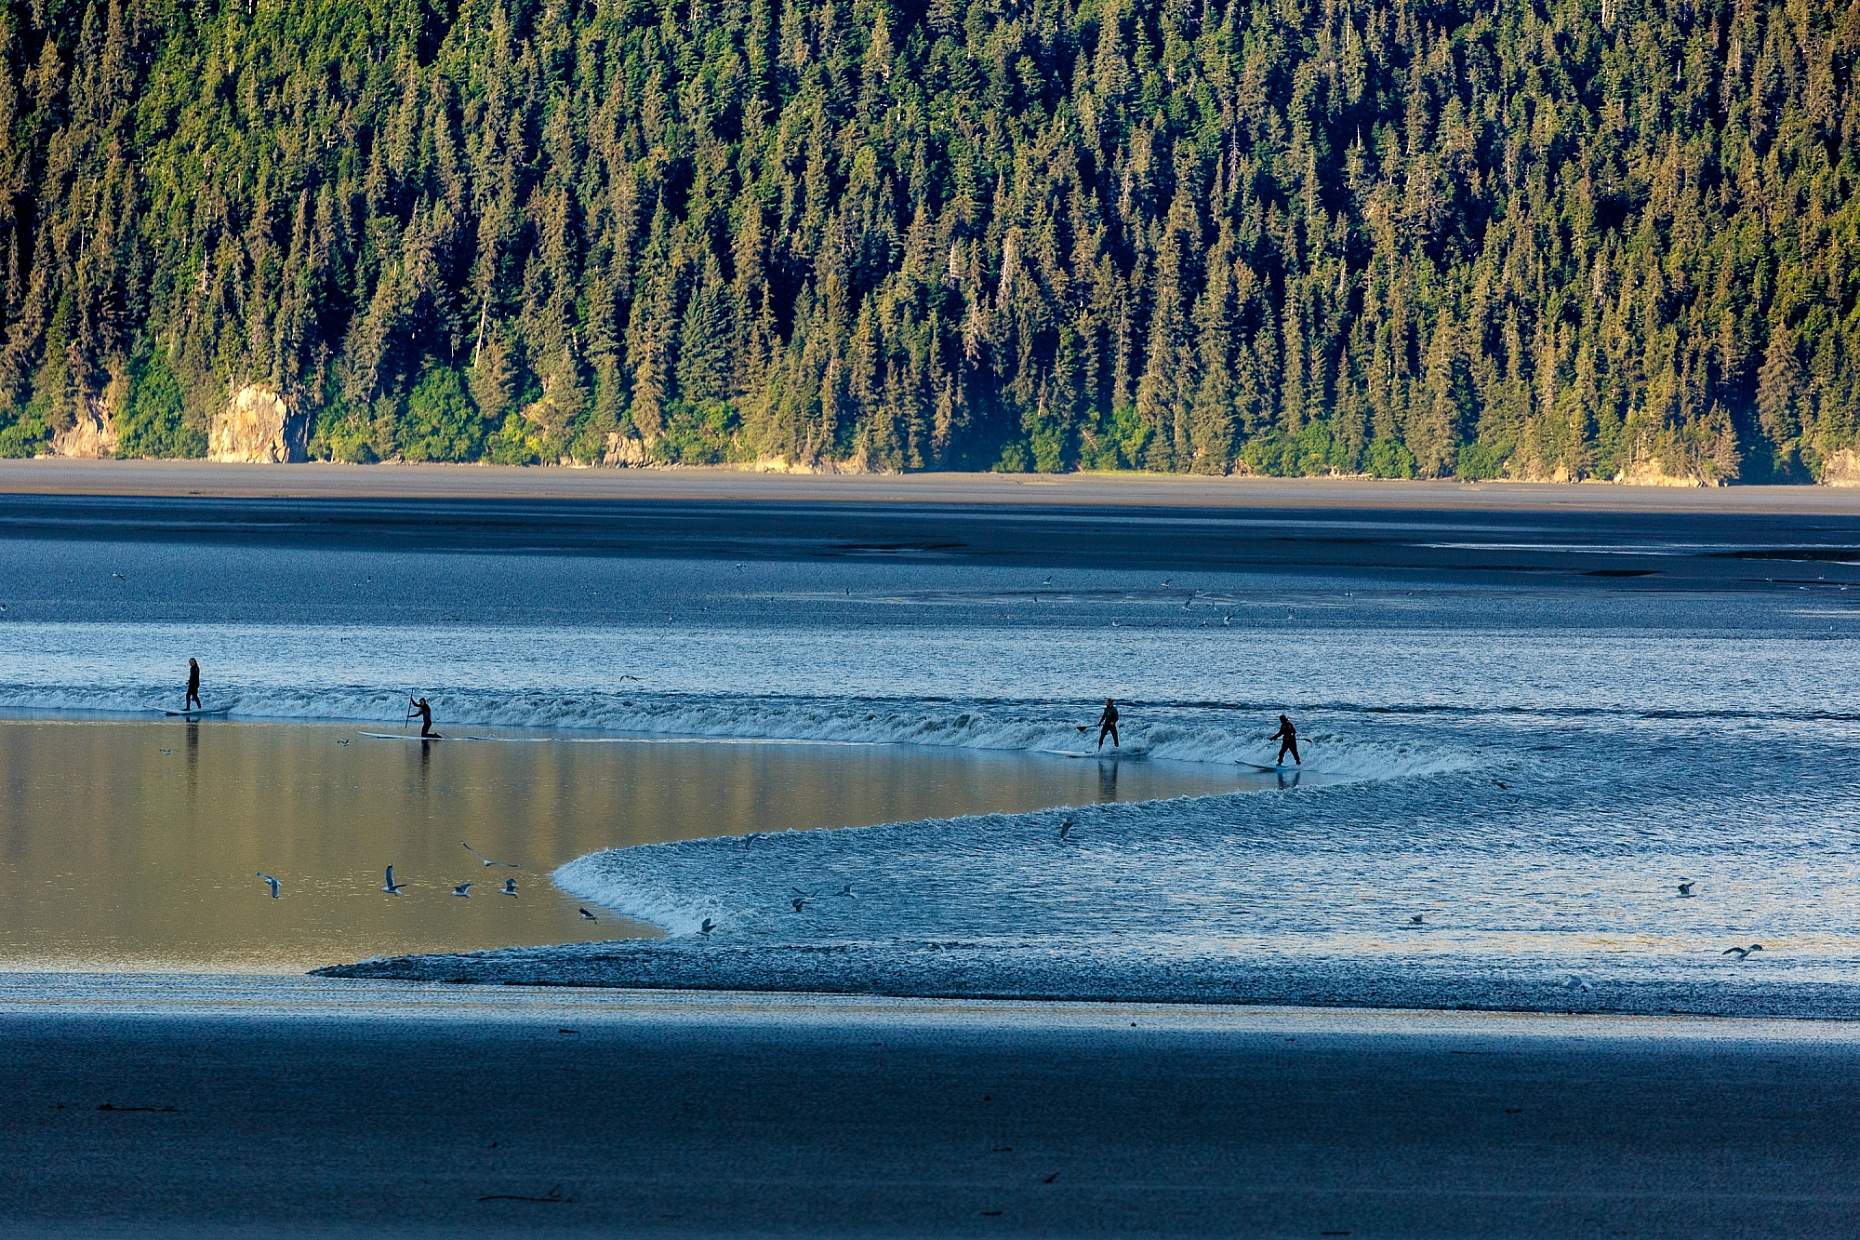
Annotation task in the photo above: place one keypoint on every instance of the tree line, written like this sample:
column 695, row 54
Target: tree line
column 1539, row 238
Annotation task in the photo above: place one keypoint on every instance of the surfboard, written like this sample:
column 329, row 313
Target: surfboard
column 195, row 714
column 1270, row 770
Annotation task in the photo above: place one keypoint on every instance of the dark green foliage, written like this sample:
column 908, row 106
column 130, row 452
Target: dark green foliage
column 154, row 420
column 1397, row 237
column 441, row 422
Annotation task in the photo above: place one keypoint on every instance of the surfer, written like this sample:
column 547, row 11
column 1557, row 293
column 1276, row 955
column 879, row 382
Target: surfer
column 418, row 706
column 193, row 685
column 1107, row 724
column 1287, row 736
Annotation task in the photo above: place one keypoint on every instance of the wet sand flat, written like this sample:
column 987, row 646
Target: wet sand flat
column 164, row 1107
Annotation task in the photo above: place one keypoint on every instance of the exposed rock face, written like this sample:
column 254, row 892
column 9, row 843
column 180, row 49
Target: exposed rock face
column 1653, row 474
column 92, row 436
column 257, row 426
column 624, row 451
column 1841, row 469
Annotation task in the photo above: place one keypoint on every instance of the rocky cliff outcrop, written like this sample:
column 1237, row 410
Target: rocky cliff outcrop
column 624, row 450
column 91, row 437
column 1841, row 469
column 257, row 426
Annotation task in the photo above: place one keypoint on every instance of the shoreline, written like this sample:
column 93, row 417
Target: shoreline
column 54, row 476
column 954, row 972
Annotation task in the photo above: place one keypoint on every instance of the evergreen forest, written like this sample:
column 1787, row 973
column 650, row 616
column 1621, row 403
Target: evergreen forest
column 1402, row 238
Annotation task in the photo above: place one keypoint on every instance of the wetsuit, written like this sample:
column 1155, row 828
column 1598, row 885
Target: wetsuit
column 425, row 713
column 1287, row 736
column 1107, row 726
column 193, row 685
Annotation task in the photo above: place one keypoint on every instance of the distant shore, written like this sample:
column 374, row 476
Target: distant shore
column 322, row 480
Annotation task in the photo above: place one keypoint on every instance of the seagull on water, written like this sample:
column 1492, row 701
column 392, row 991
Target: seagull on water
column 1227, row 619
column 1418, row 919
column 509, row 888
column 270, row 882
column 1741, row 952
column 586, row 915
column 463, row 889
column 751, row 838
column 1685, row 889
column 390, row 886
column 343, row 741
column 707, row 927
column 509, row 865
column 166, row 752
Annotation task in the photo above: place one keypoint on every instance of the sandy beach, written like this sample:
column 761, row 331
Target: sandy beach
column 326, row 480
column 177, row 1107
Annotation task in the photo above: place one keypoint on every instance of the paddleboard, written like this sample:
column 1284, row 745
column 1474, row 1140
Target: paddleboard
column 195, row 714
column 408, row 736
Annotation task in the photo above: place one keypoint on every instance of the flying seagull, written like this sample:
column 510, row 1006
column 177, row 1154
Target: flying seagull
column 587, row 915
column 1685, row 889
column 707, row 927
column 846, row 893
column 1741, row 952
column 270, row 882
column 509, row 888
column 390, row 886
column 1047, row 580
column 509, row 865
column 463, row 889
column 751, row 838
column 1065, row 829
column 800, row 902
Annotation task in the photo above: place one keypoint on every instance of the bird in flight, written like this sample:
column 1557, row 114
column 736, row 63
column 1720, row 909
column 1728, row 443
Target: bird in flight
column 270, row 882
column 509, row 888
column 1685, row 889
column 800, row 902
column 707, row 927
column 389, row 885
column 511, row 865
column 846, row 893
column 1065, row 830
column 463, row 889
column 1741, row 952
column 586, row 915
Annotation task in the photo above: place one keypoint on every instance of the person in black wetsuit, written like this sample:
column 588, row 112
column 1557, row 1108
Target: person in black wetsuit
column 1287, row 736
column 418, row 706
column 1107, row 724
column 193, row 686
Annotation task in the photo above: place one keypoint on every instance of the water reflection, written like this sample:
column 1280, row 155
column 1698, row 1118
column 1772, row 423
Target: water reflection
column 127, row 846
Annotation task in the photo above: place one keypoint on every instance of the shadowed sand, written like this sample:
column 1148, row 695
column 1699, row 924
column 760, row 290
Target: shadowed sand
column 162, row 1107
column 53, row 476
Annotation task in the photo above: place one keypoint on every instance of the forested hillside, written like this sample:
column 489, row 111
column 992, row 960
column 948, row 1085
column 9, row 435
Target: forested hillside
column 1574, row 237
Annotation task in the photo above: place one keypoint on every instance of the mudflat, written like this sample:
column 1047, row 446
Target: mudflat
column 167, row 1107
